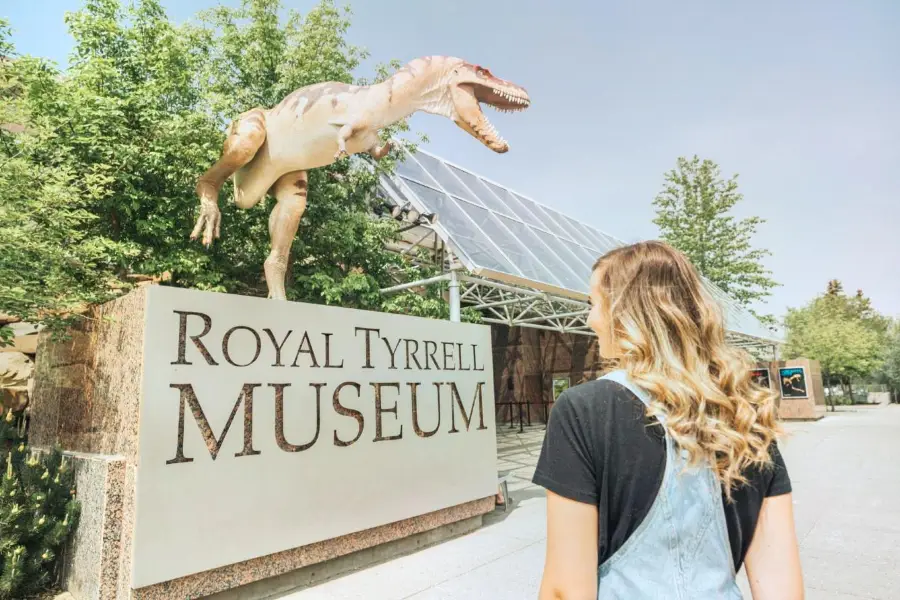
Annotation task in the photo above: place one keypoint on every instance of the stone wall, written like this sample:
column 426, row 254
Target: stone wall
column 17, row 365
column 88, row 387
column 810, row 408
column 86, row 400
column 16, row 370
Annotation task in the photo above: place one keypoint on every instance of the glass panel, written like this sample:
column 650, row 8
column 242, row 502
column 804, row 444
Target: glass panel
column 602, row 242
column 550, row 219
column 553, row 264
column 566, row 250
column 462, row 231
column 527, row 264
column 613, row 242
column 410, row 168
column 586, row 256
column 576, row 232
column 585, row 237
column 385, row 182
column 517, row 208
column 439, row 171
column 589, row 254
column 484, row 194
column 569, row 275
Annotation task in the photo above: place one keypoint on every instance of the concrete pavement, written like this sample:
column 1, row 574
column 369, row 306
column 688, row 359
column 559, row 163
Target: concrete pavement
column 845, row 471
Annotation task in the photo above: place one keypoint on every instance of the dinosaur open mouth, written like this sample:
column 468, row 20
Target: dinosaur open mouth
column 502, row 98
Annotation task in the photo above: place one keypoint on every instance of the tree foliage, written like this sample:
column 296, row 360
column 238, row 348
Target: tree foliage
column 53, row 256
column 890, row 368
column 844, row 333
column 38, row 511
column 692, row 213
column 99, row 184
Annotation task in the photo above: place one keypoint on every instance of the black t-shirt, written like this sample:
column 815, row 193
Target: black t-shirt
column 601, row 448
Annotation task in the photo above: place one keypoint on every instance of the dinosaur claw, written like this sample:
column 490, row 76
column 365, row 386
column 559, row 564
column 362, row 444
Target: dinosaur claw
column 380, row 152
column 209, row 223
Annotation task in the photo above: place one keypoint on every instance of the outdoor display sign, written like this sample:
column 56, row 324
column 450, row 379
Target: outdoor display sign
column 560, row 384
column 793, row 382
column 268, row 425
column 761, row 377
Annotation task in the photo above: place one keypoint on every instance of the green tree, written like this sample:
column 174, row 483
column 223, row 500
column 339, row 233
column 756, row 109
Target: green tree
column 890, row 368
column 860, row 307
column 119, row 138
column 53, row 258
column 843, row 333
column 692, row 213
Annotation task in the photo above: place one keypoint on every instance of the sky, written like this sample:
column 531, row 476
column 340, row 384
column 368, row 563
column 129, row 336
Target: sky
column 801, row 99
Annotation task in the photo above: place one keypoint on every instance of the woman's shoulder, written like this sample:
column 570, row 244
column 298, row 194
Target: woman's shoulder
column 600, row 400
column 598, row 394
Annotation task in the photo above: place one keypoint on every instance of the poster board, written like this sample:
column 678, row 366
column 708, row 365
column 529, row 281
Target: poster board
column 761, row 377
column 793, row 382
column 560, row 384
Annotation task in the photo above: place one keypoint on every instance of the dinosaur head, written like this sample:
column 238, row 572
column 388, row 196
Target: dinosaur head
column 470, row 86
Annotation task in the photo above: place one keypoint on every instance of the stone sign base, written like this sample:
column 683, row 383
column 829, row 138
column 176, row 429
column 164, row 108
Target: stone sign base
column 87, row 400
column 98, row 559
column 794, row 405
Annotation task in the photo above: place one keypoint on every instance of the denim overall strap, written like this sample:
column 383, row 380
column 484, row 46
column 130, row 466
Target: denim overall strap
column 681, row 549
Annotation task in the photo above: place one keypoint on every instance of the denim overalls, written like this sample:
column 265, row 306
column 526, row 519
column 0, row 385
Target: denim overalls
column 681, row 549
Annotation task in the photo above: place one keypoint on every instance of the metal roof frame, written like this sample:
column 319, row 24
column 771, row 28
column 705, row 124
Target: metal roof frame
column 512, row 297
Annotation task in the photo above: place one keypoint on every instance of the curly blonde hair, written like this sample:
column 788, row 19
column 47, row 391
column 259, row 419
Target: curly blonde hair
column 669, row 336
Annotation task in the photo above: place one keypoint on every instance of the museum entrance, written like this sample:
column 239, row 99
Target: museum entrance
column 522, row 268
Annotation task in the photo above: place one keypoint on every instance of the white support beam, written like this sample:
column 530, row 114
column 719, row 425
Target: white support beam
column 505, row 304
column 415, row 245
column 543, row 318
column 415, row 284
column 534, row 326
column 455, row 313
column 498, row 303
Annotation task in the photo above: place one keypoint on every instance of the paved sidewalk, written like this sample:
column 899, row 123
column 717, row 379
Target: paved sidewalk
column 846, row 475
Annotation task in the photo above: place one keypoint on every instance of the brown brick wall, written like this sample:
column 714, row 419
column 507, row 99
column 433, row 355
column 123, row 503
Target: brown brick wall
column 526, row 360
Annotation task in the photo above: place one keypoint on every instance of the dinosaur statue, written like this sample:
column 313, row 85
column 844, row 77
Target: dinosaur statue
column 272, row 150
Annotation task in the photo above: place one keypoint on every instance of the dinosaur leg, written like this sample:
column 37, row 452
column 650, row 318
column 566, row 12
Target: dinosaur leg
column 247, row 134
column 290, row 191
column 344, row 133
column 379, row 152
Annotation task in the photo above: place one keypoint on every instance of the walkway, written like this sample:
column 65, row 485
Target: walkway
column 846, row 475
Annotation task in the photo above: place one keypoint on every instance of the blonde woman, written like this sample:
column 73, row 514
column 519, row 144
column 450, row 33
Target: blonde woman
column 663, row 477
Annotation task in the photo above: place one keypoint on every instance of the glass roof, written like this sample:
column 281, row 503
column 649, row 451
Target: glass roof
column 504, row 235
column 495, row 229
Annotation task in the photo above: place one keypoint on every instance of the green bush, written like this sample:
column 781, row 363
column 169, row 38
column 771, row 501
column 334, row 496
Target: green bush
column 38, row 511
